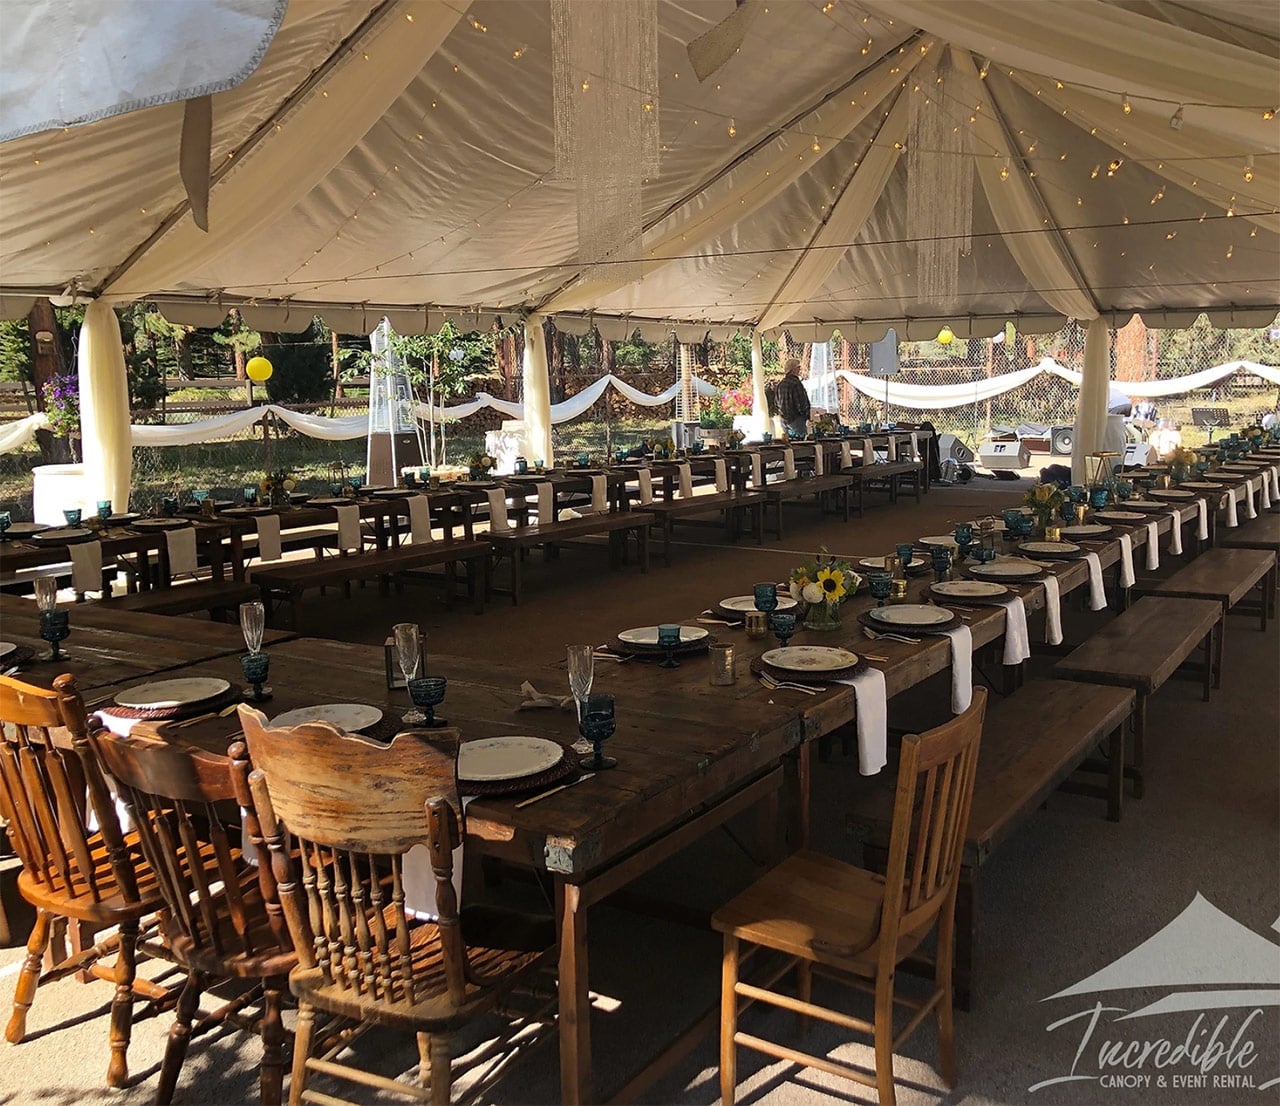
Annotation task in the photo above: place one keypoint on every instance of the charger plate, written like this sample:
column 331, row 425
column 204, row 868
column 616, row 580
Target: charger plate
column 25, row 529
column 66, row 535
column 494, row 759
column 1205, row 485
column 1088, row 529
column 1144, row 505
column 349, row 717
column 737, row 606
column 1010, row 569
column 914, row 618
column 810, row 659
column 333, row 501
column 186, row 691
column 1064, row 549
column 160, row 523
column 1118, row 516
column 969, row 589
column 648, row 635
column 1171, row 493
column 759, row 666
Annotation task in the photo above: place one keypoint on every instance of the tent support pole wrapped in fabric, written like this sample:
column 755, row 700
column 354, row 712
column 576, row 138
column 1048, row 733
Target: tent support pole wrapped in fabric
column 537, row 391
column 1091, row 410
column 759, row 404
column 104, row 407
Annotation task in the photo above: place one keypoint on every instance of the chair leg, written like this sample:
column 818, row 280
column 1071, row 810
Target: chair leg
column 29, row 978
column 944, row 1011
column 271, row 1077
column 729, row 1021
column 441, row 1069
column 122, row 1005
column 804, row 991
column 302, row 1033
column 175, row 1051
column 884, row 1038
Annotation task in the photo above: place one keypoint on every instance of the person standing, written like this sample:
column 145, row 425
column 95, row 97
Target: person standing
column 793, row 400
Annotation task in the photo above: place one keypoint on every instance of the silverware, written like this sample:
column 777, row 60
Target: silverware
column 873, row 657
column 193, row 721
column 889, row 637
column 609, row 657
column 551, row 791
column 772, row 684
column 718, row 622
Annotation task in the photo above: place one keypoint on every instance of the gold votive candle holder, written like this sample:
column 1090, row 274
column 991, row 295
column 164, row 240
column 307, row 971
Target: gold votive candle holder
column 899, row 591
column 1053, row 533
column 757, row 625
column 724, row 670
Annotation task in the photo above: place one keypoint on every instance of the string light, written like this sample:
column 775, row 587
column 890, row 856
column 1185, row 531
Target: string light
column 585, row 85
column 817, row 146
column 1248, row 170
column 1231, row 208
column 648, row 105
column 477, row 25
column 1270, row 113
column 1175, row 121
column 518, row 52
column 1158, row 196
column 733, row 128
column 1004, row 171
column 1113, row 166
column 1230, row 250
column 1171, row 236
column 1096, row 170
column 1125, row 106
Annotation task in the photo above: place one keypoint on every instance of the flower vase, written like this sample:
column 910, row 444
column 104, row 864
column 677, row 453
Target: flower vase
column 279, row 497
column 822, row 616
column 1043, row 521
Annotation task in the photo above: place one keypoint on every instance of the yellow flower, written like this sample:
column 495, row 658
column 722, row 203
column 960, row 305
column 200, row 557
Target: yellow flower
column 264, row 485
column 831, row 580
column 1043, row 492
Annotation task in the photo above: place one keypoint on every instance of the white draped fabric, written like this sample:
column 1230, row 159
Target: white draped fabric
column 104, row 407
column 14, row 435
column 537, row 391
column 1091, row 409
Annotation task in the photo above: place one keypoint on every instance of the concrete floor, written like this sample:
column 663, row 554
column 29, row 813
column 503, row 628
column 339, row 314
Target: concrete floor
column 1067, row 895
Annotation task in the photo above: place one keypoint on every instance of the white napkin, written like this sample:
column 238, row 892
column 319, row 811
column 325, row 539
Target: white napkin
column 498, row 521
column 646, row 487
column 268, row 538
column 1052, row 609
column 181, row 545
column 1265, row 480
column 686, row 480
column 1126, row 561
column 788, row 464
column 1253, row 483
column 419, row 519
column 1097, row 594
column 348, row 527
column 1017, row 641
column 1203, row 532
column 547, row 502
column 1175, row 535
column 868, row 452
column 1153, row 546
column 599, row 495
column 846, row 455
column 961, row 668
column 1232, row 518
column 892, row 450
column 757, row 471
column 569, row 513
column 1275, row 480
column 819, row 460
column 722, row 475
column 86, row 565
column 915, row 446
column 871, row 718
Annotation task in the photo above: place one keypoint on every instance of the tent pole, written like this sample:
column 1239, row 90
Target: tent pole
column 537, row 392
column 759, row 405
column 1091, row 410
column 105, row 437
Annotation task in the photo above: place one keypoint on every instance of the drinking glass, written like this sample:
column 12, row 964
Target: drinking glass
column 941, row 562
column 253, row 619
column 880, row 584
column 169, row 505
column 783, row 624
column 409, row 652
column 669, row 639
column 55, row 628
column 335, row 488
column 766, row 596
column 256, row 667
column 6, row 520
column 905, row 552
column 104, row 508
column 1012, row 516
column 46, row 592
column 73, row 516
column 198, row 494
column 250, row 494
column 581, row 673
column 1077, row 493
column 1098, row 498
column 428, row 692
column 597, row 726
column 964, row 533
column 357, row 482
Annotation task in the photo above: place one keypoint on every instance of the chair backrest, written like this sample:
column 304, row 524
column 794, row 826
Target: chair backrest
column 52, row 789
column 339, row 812
column 184, row 806
column 930, row 817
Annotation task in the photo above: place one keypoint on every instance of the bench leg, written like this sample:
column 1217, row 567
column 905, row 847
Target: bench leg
column 1207, row 645
column 1115, row 775
column 667, row 527
column 1220, row 631
column 642, row 548
column 1139, row 740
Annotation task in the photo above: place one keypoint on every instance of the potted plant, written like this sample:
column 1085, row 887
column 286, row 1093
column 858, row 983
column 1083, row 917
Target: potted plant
column 714, row 421
column 480, row 465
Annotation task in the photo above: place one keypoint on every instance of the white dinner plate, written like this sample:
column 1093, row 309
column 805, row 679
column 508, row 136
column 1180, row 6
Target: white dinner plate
column 349, row 717
column 938, row 539
column 332, row 501
column 744, row 603
column 648, row 635
column 1117, row 516
column 1050, row 548
column 394, row 493
column 1088, row 529
column 911, row 614
column 1172, row 493
column 123, row 519
column 969, row 589
column 7, row 647
column 1204, row 485
column 63, row 534
column 1012, row 568
column 25, row 529
column 506, row 758
column 160, row 523
column 1244, row 466
column 166, row 694
column 1144, row 505
column 810, row 658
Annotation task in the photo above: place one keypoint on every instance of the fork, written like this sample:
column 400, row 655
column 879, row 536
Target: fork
column 776, row 685
column 889, row 637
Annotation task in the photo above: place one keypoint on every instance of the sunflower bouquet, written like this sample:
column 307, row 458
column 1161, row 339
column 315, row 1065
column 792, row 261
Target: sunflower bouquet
column 1044, row 501
column 276, row 486
column 822, row 584
column 480, row 464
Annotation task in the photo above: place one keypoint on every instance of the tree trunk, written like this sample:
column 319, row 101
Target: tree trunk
column 47, row 361
column 182, row 351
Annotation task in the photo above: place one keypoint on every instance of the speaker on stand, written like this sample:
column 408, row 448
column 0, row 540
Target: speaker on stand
column 952, row 448
column 1061, row 439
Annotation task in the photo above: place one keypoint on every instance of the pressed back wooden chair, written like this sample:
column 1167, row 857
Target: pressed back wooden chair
column 853, row 925
column 222, row 920
column 339, row 813
column 77, row 866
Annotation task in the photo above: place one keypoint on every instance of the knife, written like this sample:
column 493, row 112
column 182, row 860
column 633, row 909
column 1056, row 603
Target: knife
column 538, row 798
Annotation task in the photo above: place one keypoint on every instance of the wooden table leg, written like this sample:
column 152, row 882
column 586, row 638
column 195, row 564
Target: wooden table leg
column 575, row 999
column 1139, row 737
column 1115, row 774
column 1208, row 664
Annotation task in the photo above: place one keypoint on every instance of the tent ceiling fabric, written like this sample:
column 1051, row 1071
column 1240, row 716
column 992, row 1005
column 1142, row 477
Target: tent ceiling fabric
column 776, row 197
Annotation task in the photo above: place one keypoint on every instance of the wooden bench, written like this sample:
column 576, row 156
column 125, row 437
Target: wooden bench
column 1141, row 649
column 514, row 543
column 732, row 504
column 889, row 476
column 1262, row 533
column 290, row 580
column 823, row 487
column 221, row 598
column 1032, row 742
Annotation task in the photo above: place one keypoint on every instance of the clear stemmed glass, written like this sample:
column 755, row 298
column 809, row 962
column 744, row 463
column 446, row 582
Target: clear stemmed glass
column 253, row 620
column 581, row 675
column 46, row 592
column 409, row 654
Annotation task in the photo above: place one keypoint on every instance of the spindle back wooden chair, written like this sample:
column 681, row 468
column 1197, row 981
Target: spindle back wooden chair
column 836, row 920
column 222, row 919
column 341, row 814
column 77, row 865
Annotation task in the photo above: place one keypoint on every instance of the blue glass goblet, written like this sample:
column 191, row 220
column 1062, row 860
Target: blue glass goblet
column 250, row 494
column 1077, row 493
column 766, row 596
column 426, row 692
column 1098, row 498
column 169, row 505
column 905, row 551
column 55, row 628
column 669, row 640
column 783, row 624
column 597, row 725
column 941, row 562
column 1012, row 517
column 73, row 516
column 357, row 482
column 964, row 533
column 6, row 520
column 256, row 667
column 880, row 584
column 104, row 509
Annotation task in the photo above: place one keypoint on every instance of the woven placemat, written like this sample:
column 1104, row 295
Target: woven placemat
column 657, row 652
column 172, row 714
column 906, row 630
column 787, row 675
column 567, row 766
column 1042, row 555
column 21, row 656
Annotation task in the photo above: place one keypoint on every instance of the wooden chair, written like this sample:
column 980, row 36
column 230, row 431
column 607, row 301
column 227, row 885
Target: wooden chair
column 339, row 813
column 53, row 796
column 222, row 919
column 854, row 925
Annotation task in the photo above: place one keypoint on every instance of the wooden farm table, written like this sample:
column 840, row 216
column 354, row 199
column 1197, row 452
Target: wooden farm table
column 108, row 646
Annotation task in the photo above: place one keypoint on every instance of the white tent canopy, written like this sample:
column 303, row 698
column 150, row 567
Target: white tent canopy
column 398, row 156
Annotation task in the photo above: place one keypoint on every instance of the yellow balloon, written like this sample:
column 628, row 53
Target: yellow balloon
column 259, row 369
column 946, row 336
